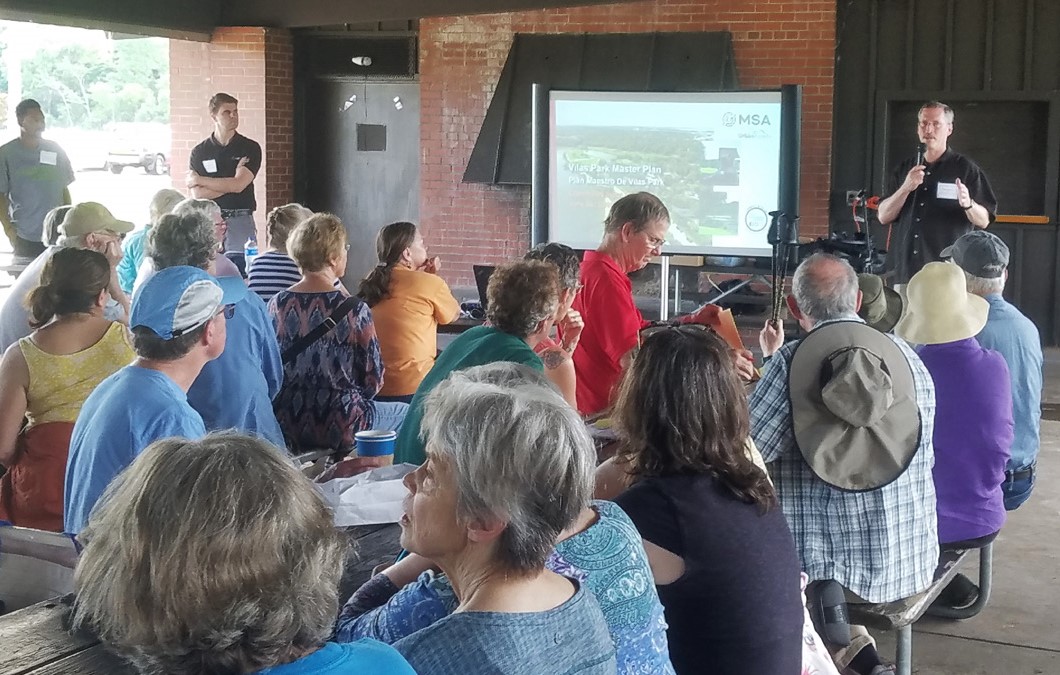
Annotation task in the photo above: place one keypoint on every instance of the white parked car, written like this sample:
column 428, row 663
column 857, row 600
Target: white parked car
column 143, row 144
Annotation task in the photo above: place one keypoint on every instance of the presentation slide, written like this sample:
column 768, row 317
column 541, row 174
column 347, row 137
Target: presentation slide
column 713, row 159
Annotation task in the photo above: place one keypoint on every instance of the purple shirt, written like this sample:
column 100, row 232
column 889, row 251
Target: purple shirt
column 973, row 437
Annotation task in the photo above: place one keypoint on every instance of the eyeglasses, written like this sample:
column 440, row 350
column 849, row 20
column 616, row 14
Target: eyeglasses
column 228, row 310
column 656, row 242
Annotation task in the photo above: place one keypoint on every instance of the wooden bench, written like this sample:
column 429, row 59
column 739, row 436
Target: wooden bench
column 900, row 615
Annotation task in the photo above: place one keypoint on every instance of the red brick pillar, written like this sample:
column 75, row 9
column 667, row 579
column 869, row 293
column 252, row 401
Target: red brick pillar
column 256, row 66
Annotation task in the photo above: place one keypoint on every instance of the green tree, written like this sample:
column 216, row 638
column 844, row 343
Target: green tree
column 90, row 87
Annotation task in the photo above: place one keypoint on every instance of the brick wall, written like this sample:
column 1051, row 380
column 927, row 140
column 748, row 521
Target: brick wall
column 254, row 65
column 776, row 42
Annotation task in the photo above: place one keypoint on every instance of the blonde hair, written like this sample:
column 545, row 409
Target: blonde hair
column 164, row 201
column 281, row 221
column 317, row 241
column 210, row 556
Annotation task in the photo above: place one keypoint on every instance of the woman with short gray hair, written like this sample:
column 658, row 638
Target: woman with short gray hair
column 601, row 548
column 218, row 556
column 509, row 468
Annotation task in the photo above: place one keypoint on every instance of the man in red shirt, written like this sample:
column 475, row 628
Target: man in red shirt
column 634, row 233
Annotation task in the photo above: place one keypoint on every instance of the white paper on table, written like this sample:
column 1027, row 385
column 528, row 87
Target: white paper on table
column 370, row 498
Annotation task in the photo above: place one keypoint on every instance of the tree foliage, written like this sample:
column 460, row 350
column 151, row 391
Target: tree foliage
column 85, row 86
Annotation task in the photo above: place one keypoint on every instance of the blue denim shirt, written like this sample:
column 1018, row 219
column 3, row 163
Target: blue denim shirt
column 1015, row 336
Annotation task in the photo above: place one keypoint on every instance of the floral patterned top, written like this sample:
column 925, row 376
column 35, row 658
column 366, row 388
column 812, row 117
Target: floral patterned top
column 607, row 558
column 328, row 389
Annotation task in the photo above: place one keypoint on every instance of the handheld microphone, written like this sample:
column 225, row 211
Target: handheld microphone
column 921, row 148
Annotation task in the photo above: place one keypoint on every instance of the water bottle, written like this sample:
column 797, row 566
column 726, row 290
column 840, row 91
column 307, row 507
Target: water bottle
column 250, row 251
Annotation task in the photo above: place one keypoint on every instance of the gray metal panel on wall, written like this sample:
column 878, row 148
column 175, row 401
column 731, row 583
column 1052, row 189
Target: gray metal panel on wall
column 366, row 188
column 685, row 61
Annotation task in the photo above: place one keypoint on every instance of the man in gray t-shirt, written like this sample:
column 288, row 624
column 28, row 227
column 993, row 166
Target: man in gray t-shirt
column 34, row 175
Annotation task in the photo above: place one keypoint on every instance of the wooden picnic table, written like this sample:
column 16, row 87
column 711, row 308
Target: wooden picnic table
column 37, row 639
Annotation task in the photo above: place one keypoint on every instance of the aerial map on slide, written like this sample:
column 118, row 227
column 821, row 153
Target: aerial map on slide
column 714, row 164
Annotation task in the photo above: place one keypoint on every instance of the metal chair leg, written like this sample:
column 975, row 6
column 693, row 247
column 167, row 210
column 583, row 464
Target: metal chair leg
column 904, row 651
column 986, row 572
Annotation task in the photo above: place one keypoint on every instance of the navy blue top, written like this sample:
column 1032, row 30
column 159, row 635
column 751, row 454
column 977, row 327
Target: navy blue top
column 737, row 609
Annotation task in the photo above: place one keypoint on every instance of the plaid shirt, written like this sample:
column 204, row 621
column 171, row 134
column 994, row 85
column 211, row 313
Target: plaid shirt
column 881, row 544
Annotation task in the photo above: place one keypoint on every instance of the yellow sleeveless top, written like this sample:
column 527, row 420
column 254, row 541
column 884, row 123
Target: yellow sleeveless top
column 59, row 384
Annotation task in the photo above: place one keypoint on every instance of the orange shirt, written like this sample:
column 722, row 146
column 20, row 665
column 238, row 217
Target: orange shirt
column 407, row 324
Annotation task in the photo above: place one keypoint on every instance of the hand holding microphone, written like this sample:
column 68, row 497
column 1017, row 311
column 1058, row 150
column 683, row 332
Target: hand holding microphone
column 915, row 177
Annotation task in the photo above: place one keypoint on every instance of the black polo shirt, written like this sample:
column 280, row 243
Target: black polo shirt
column 928, row 224
column 223, row 160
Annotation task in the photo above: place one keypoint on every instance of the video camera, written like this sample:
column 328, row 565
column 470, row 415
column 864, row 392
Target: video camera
column 857, row 249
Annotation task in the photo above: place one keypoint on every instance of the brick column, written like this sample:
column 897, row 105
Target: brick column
column 256, row 66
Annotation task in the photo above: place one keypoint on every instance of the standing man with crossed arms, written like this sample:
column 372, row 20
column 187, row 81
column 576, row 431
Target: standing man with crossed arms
column 222, row 168
column 931, row 203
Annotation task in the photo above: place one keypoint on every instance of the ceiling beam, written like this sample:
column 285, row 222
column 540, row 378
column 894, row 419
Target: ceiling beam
column 185, row 20
column 307, row 13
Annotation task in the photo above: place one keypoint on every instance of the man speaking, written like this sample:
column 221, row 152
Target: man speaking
column 934, row 198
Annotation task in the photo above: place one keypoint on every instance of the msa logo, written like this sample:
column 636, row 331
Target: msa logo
column 732, row 119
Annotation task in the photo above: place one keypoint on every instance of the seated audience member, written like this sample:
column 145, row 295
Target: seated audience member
column 133, row 247
column 223, row 267
column 408, row 301
column 984, row 259
column 244, row 579
column 881, row 307
column 235, row 390
column 601, row 549
column 848, row 440
column 487, row 511
column 522, row 299
column 53, row 220
column 329, row 383
column 87, row 225
column 178, row 326
column 274, row 271
column 720, row 549
column 46, row 377
column 556, row 354
column 973, row 411
column 634, row 233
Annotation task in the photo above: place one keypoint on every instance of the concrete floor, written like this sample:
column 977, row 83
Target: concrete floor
column 1019, row 631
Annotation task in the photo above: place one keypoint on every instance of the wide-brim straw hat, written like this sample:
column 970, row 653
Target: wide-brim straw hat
column 939, row 308
column 853, row 406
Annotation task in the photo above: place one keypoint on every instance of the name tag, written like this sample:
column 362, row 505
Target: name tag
column 211, row 165
column 946, row 191
column 48, row 157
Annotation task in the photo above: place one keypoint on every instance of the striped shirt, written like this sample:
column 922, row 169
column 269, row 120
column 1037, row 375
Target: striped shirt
column 881, row 544
column 272, row 272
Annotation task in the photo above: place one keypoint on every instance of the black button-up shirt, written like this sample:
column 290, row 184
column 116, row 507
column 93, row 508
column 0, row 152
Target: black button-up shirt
column 927, row 224
column 225, row 161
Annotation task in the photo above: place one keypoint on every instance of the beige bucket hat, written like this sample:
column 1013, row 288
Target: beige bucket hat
column 939, row 308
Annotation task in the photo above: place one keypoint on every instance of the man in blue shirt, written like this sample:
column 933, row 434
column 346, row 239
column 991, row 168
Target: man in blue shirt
column 178, row 323
column 984, row 259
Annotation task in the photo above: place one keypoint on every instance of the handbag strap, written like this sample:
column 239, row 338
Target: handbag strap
column 303, row 343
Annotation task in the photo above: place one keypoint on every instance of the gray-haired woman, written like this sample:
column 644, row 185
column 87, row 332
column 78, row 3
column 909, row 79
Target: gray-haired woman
column 487, row 508
column 218, row 556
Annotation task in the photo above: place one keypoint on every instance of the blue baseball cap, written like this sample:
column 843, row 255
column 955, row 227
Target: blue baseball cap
column 182, row 298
